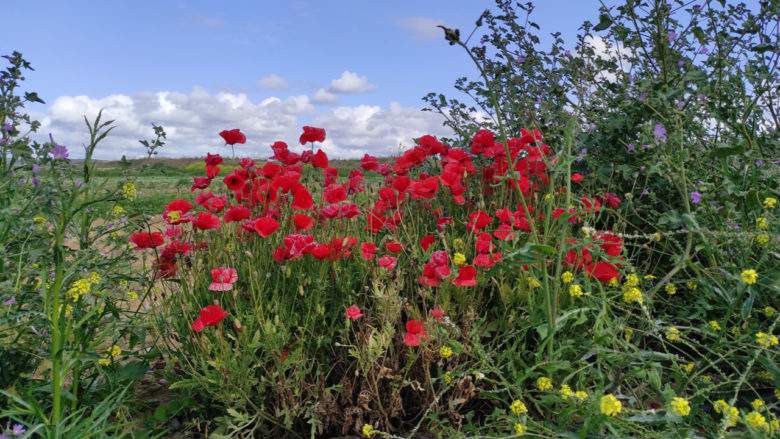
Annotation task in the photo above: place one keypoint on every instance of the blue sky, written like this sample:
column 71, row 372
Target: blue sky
column 242, row 53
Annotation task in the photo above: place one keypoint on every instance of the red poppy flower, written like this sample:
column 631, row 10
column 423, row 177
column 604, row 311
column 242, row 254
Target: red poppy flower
column 426, row 241
column 312, row 134
column 303, row 222
column 436, row 269
column 394, row 246
column 214, row 204
column 234, row 182
column 467, row 277
column 437, row 313
column 147, row 239
column 320, row 251
column 369, row 163
column 302, row 198
column 411, row 340
column 387, row 262
column 233, row 136
column 478, row 220
column 603, row 271
column 577, row 177
column 353, row 312
column 246, row 163
column 200, row 183
column 211, row 315
column 368, row 250
column 206, row 221
column 237, row 213
column 266, row 226
column 335, row 193
column 320, row 159
column 175, row 212
column 416, row 327
column 212, row 171
column 223, row 278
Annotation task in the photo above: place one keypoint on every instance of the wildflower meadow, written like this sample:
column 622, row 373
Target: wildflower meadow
column 593, row 253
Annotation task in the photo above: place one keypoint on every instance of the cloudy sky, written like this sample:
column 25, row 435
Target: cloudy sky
column 356, row 68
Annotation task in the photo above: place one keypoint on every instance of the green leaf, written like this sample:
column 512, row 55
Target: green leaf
column 604, row 22
column 726, row 151
column 132, row 371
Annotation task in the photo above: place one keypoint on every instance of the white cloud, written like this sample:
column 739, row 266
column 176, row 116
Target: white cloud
column 324, row 96
column 193, row 121
column 423, row 28
column 350, row 82
column 273, row 82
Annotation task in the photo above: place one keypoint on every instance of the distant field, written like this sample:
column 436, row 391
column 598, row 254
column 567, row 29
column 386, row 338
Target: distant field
column 161, row 180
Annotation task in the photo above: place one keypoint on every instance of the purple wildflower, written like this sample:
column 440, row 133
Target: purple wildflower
column 9, row 301
column 18, row 430
column 631, row 148
column 659, row 132
column 7, row 127
column 36, row 181
column 695, row 197
column 36, row 169
column 58, row 152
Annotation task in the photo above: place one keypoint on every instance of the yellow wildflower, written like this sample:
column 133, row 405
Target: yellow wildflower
column 544, row 384
column 633, row 294
column 774, row 425
column 613, row 282
column 680, row 406
column 519, row 429
column 581, row 395
column 118, row 211
column 670, row 289
column 720, row 406
column 447, row 378
column 129, row 191
column 445, row 352
column 762, row 223
column 518, row 407
column 762, row 239
column 757, row 404
column 688, row 367
column 105, row 361
column 770, row 202
column 115, row 351
column 534, row 283
column 649, row 277
column 575, row 290
column 567, row 277
column 749, row 276
column 132, row 295
column 368, row 430
column 548, row 197
column 757, row 421
column 766, row 340
column 458, row 244
column 610, row 405
column 632, row 280
column 691, row 285
column 714, row 325
column 458, row 259
column 672, row 334
column 566, row 391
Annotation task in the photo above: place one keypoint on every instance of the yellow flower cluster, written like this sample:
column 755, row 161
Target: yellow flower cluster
column 632, row 294
column 534, row 283
column 368, row 430
column 458, row 244
column 118, row 211
column 670, row 289
column 749, row 276
column 688, row 367
column 770, row 202
column 609, row 405
column 83, row 286
column 575, row 290
column 129, row 191
column 766, row 340
column 518, row 407
column 757, row 421
column 568, row 393
column 567, row 277
column 672, row 334
column 762, row 223
column 714, row 325
column 544, row 384
column 519, row 429
column 445, row 352
column 730, row 413
column 458, row 259
column 680, row 406
column 762, row 239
